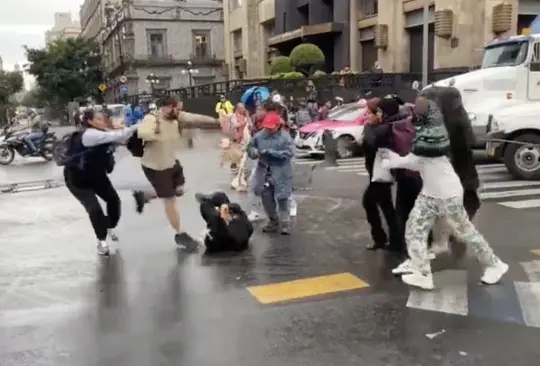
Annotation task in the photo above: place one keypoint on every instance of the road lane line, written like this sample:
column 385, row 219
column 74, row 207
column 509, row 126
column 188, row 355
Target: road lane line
column 521, row 204
column 307, row 287
column 450, row 295
column 529, row 294
column 506, row 194
column 509, row 184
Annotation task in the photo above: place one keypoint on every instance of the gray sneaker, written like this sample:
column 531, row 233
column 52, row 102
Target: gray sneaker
column 103, row 248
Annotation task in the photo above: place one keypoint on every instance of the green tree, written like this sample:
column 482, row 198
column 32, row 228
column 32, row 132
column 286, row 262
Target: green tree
column 319, row 74
column 306, row 58
column 66, row 69
column 10, row 83
column 280, row 65
column 293, row 75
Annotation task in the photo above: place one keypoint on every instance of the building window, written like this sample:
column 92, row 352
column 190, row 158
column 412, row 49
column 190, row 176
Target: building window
column 201, row 44
column 368, row 8
column 237, row 41
column 157, row 43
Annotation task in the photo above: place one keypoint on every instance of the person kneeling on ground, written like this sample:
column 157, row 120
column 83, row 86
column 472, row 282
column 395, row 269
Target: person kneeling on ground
column 228, row 227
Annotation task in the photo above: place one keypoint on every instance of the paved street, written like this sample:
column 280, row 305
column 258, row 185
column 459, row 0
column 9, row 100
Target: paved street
column 314, row 298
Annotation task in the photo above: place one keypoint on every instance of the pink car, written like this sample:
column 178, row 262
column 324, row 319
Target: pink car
column 346, row 123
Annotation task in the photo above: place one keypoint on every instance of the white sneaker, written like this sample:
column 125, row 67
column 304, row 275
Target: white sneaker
column 431, row 255
column 417, row 279
column 403, row 268
column 112, row 235
column 493, row 274
column 254, row 216
column 102, row 247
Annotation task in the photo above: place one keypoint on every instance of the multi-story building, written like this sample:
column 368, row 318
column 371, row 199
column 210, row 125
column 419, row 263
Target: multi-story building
column 92, row 16
column 248, row 26
column 355, row 33
column 457, row 31
column 163, row 44
column 64, row 27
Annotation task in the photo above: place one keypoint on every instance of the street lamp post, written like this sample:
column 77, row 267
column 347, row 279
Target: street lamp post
column 190, row 71
column 152, row 80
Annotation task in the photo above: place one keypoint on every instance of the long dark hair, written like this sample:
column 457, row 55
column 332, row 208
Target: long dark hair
column 87, row 116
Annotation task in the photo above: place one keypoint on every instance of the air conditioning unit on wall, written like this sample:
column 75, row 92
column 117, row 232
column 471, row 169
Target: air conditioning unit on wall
column 501, row 18
column 381, row 35
column 444, row 23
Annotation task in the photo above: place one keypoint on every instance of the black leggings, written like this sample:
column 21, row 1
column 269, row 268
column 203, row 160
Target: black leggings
column 218, row 238
column 379, row 195
column 88, row 197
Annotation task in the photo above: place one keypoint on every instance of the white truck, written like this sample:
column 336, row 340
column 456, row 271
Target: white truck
column 503, row 102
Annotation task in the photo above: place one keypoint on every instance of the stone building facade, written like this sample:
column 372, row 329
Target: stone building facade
column 92, row 16
column 163, row 39
column 255, row 30
column 471, row 28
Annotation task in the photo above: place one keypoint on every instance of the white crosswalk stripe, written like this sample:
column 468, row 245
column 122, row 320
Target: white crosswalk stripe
column 458, row 292
column 497, row 185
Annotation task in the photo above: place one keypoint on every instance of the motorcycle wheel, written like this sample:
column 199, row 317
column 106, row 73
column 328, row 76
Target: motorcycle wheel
column 7, row 155
column 47, row 150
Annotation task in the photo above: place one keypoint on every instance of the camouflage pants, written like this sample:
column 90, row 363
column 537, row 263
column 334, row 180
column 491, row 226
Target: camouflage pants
column 421, row 220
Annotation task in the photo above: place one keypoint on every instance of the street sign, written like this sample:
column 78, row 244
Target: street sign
column 123, row 79
column 123, row 89
column 102, row 87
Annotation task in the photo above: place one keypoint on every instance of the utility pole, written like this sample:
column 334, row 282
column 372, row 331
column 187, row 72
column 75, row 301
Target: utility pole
column 425, row 45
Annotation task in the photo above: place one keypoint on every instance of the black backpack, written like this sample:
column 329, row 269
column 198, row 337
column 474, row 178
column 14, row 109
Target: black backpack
column 135, row 144
column 64, row 151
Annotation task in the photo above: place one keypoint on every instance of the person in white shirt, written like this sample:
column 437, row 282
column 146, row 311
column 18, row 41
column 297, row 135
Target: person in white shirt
column 441, row 196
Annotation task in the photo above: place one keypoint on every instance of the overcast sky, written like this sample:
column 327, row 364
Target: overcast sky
column 25, row 23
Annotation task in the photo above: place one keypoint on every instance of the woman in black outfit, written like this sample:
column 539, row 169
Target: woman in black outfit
column 377, row 134
column 91, row 159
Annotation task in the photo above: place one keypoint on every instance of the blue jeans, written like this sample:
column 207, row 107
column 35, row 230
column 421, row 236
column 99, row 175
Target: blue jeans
column 31, row 138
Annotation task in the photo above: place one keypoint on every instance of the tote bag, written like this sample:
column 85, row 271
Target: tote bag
column 381, row 174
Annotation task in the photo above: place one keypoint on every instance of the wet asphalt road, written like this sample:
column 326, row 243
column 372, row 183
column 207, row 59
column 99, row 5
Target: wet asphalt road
column 336, row 304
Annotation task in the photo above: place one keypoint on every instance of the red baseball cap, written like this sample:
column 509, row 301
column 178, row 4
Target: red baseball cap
column 271, row 120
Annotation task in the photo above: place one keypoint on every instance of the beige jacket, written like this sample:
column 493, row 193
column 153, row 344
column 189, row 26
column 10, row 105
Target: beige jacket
column 161, row 139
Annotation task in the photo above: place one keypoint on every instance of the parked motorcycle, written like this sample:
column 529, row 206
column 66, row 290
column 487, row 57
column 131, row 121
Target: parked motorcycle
column 12, row 141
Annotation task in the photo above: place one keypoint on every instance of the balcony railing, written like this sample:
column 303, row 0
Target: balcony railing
column 368, row 8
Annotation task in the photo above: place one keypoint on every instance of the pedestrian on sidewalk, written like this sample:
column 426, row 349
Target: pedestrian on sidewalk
column 89, row 161
column 228, row 227
column 377, row 134
column 161, row 132
column 273, row 148
column 441, row 197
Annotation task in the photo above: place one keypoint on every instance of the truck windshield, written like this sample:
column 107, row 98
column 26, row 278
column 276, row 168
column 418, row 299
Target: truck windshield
column 505, row 54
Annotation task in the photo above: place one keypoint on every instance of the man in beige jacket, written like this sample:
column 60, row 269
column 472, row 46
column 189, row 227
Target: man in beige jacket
column 161, row 133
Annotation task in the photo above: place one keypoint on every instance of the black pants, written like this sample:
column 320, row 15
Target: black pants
column 218, row 238
column 379, row 195
column 408, row 189
column 87, row 194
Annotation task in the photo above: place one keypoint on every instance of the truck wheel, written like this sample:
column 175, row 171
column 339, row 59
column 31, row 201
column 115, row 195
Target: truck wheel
column 523, row 161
